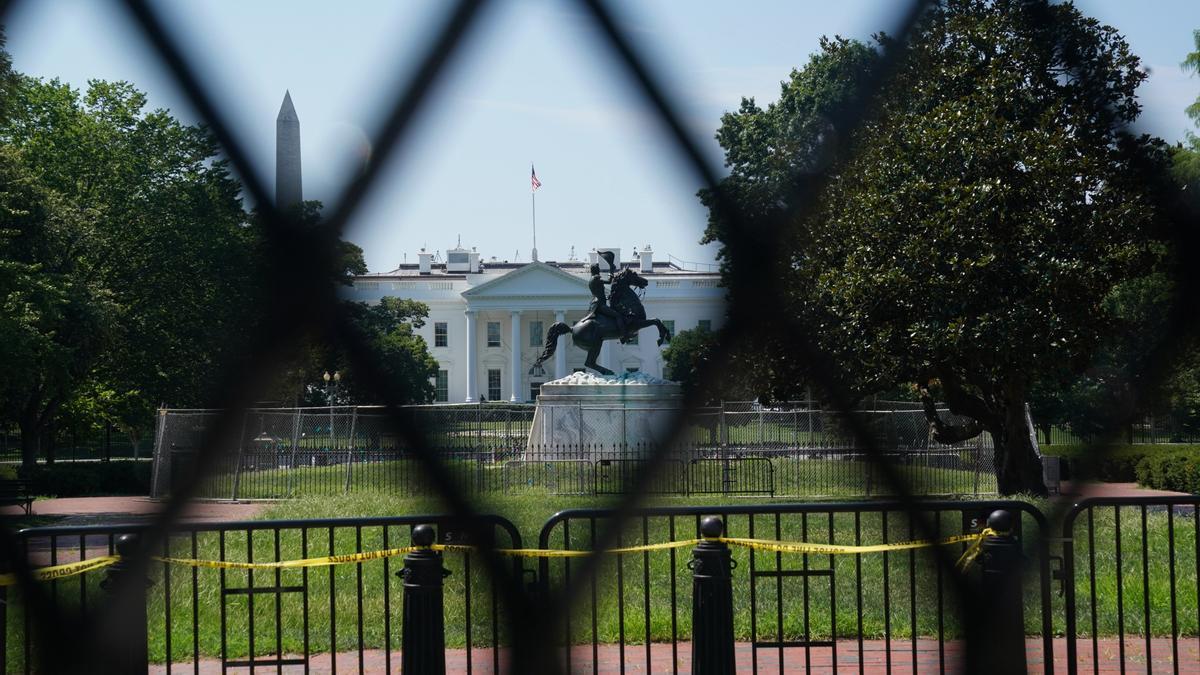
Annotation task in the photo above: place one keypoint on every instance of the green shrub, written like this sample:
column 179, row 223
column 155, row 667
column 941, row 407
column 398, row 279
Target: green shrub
column 90, row 479
column 1177, row 470
column 1118, row 465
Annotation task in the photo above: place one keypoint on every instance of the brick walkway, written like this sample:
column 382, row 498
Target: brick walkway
column 1087, row 489
column 95, row 510
column 874, row 659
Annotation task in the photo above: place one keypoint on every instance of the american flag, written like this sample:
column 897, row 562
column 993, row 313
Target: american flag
column 533, row 179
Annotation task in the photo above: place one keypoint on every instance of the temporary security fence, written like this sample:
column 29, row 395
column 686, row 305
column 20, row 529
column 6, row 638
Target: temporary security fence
column 282, row 453
column 799, row 585
column 814, row 609
column 590, row 470
column 240, row 612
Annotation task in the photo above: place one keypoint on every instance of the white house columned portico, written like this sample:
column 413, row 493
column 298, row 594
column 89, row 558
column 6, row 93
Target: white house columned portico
column 508, row 309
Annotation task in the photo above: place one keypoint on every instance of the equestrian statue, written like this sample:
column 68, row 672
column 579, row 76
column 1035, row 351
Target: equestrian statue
column 617, row 316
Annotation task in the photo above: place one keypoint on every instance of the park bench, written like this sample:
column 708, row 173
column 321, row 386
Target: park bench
column 16, row 492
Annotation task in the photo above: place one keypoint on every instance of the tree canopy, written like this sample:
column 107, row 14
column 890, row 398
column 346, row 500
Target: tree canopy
column 166, row 237
column 972, row 229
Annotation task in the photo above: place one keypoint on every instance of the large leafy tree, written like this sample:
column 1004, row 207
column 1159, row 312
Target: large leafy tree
column 53, row 320
column 400, row 355
column 1187, row 156
column 167, row 239
column 970, row 234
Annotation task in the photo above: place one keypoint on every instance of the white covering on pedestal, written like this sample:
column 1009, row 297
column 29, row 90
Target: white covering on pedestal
column 602, row 414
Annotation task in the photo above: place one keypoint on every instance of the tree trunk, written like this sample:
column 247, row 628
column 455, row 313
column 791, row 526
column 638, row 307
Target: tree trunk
column 48, row 444
column 947, row 434
column 30, row 433
column 1046, row 429
column 1018, row 466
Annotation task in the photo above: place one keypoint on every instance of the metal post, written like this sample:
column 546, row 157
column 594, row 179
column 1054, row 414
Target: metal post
column 350, row 448
column 127, row 586
column 712, row 603
column 723, row 429
column 424, row 647
column 237, row 470
column 760, row 426
column 999, row 621
column 295, row 446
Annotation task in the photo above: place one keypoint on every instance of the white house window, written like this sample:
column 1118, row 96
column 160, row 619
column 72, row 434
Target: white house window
column 493, row 333
column 441, row 386
column 535, row 334
column 535, row 388
column 632, row 369
column 704, row 324
column 494, row 384
column 439, row 334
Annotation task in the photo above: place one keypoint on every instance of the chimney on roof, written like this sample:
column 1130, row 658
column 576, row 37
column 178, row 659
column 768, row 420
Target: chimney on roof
column 647, row 259
column 425, row 261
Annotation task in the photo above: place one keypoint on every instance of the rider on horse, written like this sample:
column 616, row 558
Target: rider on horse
column 599, row 305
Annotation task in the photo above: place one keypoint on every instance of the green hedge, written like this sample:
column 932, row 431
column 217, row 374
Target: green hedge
column 89, row 479
column 1119, row 465
column 1177, row 470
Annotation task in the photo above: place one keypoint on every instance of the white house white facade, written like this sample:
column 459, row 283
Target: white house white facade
column 488, row 319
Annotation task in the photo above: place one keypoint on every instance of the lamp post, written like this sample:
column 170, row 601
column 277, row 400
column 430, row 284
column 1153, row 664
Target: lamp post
column 331, row 385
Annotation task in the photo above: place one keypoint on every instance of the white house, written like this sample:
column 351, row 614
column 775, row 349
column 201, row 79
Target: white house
column 488, row 319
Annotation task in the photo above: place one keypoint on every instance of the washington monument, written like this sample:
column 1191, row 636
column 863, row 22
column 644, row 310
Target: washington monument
column 287, row 155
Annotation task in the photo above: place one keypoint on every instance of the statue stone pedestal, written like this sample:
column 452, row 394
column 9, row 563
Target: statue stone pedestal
column 591, row 415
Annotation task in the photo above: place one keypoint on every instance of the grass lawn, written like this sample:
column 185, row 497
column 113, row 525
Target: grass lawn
column 892, row 594
column 833, row 476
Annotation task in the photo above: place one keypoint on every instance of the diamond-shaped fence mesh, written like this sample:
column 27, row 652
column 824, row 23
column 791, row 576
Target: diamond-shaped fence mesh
column 452, row 452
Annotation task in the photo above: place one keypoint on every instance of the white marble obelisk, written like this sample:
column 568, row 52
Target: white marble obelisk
column 287, row 155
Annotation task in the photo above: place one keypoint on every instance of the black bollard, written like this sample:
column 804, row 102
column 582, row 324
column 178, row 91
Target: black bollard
column 712, row 603
column 127, row 584
column 1001, row 610
column 424, row 646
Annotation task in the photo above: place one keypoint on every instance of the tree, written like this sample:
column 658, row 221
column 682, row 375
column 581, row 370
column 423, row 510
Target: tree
column 1187, row 155
column 53, row 321
column 973, row 227
column 690, row 353
column 168, row 240
column 686, row 357
column 402, row 357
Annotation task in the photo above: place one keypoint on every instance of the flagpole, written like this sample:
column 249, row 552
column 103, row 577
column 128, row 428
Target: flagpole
column 533, row 186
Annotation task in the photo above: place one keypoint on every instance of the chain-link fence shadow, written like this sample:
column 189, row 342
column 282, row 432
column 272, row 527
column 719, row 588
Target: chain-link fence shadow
column 305, row 303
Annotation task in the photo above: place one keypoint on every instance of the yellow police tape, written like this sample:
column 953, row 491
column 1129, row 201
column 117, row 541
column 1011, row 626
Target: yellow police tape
column 975, row 541
column 65, row 570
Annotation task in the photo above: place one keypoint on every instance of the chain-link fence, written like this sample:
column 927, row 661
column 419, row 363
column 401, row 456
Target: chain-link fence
column 1157, row 429
column 102, row 635
column 285, row 452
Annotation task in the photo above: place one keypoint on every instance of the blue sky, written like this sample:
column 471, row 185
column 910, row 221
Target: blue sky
column 534, row 86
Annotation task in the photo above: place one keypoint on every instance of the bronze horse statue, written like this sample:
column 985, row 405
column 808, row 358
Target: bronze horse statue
column 590, row 332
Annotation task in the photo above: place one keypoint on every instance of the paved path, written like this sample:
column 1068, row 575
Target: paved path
column 98, row 510
column 874, row 659
column 1088, row 489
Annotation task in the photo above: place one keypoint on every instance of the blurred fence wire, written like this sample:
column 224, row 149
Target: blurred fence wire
column 303, row 302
